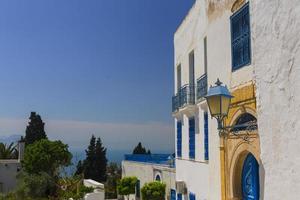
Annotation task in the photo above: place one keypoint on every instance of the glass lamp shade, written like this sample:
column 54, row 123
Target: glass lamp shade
column 218, row 99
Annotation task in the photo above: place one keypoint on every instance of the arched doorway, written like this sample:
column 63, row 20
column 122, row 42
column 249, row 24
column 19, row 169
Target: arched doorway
column 250, row 178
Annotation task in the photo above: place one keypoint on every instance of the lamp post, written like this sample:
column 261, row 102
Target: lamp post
column 218, row 99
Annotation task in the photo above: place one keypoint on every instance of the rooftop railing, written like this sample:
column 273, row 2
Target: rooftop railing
column 162, row 159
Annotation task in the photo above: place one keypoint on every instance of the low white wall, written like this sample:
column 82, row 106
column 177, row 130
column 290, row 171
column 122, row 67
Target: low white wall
column 8, row 173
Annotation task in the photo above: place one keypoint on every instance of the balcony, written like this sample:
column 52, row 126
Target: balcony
column 201, row 87
column 186, row 96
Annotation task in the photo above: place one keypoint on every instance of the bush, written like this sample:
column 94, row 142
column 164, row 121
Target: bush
column 154, row 191
column 126, row 186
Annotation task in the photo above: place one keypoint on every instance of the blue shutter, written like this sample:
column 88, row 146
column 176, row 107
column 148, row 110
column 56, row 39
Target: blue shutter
column 179, row 196
column 240, row 38
column 192, row 138
column 179, row 139
column 206, row 157
column 173, row 194
column 192, row 196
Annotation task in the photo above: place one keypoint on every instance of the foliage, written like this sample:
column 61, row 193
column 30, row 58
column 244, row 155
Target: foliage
column 139, row 149
column 40, row 185
column 35, row 130
column 94, row 166
column 72, row 187
column 113, row 176
column 126, row 185
column 8, row 151
column 154, row 191
column 46, row 156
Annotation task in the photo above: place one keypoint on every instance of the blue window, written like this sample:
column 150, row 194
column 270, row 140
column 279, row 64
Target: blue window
column 192, row 138
column 192, row 196
column 206, row 157
column 179, row 139
column 240, row 38
column 173, row 194
column 179, row 196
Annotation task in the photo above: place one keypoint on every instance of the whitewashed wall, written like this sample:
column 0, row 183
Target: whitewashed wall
column 146, row 172
column 276, row 44
column 8, row 174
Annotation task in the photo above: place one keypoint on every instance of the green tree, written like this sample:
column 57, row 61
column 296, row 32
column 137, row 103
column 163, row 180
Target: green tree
column 113, row 176
column 126, row 186
column 8, row 151
column 154, row 191
column 95, row 164
column 46, row 156
column 139, row 149
column 35, row 130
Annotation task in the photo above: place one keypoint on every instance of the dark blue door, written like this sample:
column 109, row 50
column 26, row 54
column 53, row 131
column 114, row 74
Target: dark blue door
column 250, row 178
column 173, row 194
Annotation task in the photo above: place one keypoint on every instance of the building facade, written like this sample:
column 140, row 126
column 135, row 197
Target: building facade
column 148, row 168
column 214, row 41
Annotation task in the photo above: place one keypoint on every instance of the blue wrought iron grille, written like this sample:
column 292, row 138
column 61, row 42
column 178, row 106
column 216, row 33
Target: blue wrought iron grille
column 240, row 38
column 179, row 139
column 202, row 86
column 185, row 96
column 192, row 138
column 206, row 157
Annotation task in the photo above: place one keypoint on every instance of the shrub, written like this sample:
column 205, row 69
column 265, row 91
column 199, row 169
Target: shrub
column 126, row 186
column 154, row 191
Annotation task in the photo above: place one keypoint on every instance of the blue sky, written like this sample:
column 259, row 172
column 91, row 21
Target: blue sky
column 97, row 66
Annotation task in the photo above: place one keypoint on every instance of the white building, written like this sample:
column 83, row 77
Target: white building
column 149, row 168
column 253, row 48
column 9, row 169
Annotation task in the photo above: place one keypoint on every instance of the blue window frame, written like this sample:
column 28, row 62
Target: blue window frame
column 173, row 194
column 179, row 196
column 192, row 138
column 240, row 38
column 192, row 196
column 206, row 157
column 179, row 139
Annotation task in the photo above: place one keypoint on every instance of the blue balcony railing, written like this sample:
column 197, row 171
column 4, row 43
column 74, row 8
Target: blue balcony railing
column 201, row 86
column 185, row 96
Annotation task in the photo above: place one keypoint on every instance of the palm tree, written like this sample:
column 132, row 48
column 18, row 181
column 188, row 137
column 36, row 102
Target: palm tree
column 8, row 151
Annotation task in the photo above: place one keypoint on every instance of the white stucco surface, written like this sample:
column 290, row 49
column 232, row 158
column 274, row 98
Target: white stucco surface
column 146, row 172
column 276, row 53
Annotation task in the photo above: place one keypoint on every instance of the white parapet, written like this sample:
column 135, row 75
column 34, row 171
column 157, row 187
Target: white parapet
column 98, row 194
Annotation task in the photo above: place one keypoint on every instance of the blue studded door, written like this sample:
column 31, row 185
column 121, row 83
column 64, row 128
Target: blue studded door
column 250, row 178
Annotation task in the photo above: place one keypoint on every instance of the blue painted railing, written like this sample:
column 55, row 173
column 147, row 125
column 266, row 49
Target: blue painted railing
column 202, row 86
column 164, row 159
column 185, row 96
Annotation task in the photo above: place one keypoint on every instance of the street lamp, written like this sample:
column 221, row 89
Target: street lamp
column 218, row 99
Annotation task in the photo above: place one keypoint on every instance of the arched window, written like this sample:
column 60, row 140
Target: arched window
column 245, row 121
column 157, row 178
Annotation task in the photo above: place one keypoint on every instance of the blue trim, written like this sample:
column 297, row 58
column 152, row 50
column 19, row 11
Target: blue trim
column 179, row 196
column 250, row 178
column 206, row 154
column 192, row 196
column 179, row 139
column 163, row 159
column 240, row 38
column 192, row 138
column 173, row 194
